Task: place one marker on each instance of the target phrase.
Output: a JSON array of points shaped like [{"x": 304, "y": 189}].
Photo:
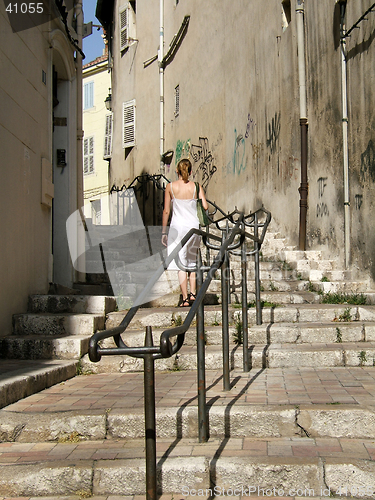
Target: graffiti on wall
[
  {"x": 238, "y": 162},
  {"x": 368, "y": 162},
  {"x": 273, "y": 133},
  {"x": 202, "y": 161},
  {"x": 322, "y": 207},
  {"x": 358, "y": 201},
  {"x": 201, "y": 158},
  {"x": 182, "y": 150},
  {"x": 250, "y": 126}
]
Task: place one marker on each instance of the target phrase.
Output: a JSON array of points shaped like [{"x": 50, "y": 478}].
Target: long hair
[{"x": 184, "y": 169}]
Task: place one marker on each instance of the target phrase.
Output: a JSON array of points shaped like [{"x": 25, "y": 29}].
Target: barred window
[{"x": 177, "y": 100}]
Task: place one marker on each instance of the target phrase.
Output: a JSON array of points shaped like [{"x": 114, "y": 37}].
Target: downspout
[
  {"x": 345, "y": 135},
  {"x": 303, "y": 189},
  {"x": 79, "y": 173},
  {"x": 161, "y": 83}
]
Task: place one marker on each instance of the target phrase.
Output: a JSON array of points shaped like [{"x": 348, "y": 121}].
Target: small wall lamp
[{"x": 108, "y": 101}]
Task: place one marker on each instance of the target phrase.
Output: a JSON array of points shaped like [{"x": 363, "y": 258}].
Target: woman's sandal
[
  {"x": 185, "y": 302},
  {"x": 192, "y": 297}
]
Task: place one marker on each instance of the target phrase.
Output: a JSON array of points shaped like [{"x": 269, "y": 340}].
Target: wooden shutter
[
  {"x": 108, "y": 136},
  {"x": 88, "y": 91},
  {"x": 128, "y": 124},
  {"x": 124, "y": 28},
  {"x": 88, "y": 155}
]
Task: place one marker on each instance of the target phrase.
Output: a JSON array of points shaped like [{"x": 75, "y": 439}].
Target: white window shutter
[
  {"x": 128, "y": 124},
  {"x": 124, "y": 28},
  {"x": 108, "y": 136},
  {"x": 88, "y": 95},
  {"x": 88, "y": 155}
]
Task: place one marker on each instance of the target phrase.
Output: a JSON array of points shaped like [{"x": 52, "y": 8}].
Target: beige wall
[
  {"x": 239, "y": 112},
  {"x": 26, "y": 143},
  {"x": 94, "y": 120}
]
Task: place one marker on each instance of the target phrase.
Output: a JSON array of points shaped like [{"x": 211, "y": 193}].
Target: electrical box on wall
[{"x": 61, "y": 158}]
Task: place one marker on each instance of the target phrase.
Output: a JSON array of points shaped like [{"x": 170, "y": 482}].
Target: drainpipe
[
  {"x": 303, "y": 189},
  {"x": 345, "y": 135},
  {"x": 79, "y": 173},
  {"x": 161, "y": 83}
]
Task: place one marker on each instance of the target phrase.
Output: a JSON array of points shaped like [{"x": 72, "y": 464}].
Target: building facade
[
  {"x": 97, "y": 141},
  {"x": 270, "y": 100},
  {"x": 41, "y": 151}
]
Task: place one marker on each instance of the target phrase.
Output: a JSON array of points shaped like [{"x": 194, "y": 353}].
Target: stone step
[
  {"x": 325, "y": 355},
  {"x": 286, "y": 333},
  {"x": 19, "y": 380},
  {"x": 166, "y": 316},
  {"x": 255, "y": 421},
  {"x": 91, "y": 289},
  {"x": 303, "y": 467},
  {"x": 57, "y": 324},
  {"x": 348, "y": 287},
  {"x": 316, "y": 333},
  {"x": 44, "y": 347},
  {"x": 79, "y": 304}
]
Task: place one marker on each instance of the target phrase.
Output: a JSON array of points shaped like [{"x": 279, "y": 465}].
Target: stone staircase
[{"x": 268, "y": 432}]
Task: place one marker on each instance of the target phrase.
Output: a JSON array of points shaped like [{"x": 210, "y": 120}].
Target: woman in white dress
[{"x": 182, "y": 196}]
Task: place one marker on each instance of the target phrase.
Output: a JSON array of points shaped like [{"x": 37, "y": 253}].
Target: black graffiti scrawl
[
  {"x": 368, "y": 162},
  {"x": 273, "y": 133},
  {"x": 203, "y": 161}
]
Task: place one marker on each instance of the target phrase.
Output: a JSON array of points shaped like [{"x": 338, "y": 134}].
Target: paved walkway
[
  {"x": 258, "y": 387},
  {"x": 304, "y": 386}
]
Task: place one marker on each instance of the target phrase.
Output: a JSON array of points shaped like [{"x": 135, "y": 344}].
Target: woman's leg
[
  {"x": 193, "y": 283},
  {"x": 182, "y": 278}
]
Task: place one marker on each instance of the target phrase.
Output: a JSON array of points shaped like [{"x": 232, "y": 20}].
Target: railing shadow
[{"x": 227, "y": 434}]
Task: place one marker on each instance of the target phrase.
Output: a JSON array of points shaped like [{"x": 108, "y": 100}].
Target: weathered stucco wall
[
  {"x": 26, "y": 137},
  {"x": 237, "y": 73}
]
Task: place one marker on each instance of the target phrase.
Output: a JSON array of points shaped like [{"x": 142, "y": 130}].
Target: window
[
  {"x": 96, "y": 211},
  {"x": 88, "y": 155},
  {"x": 128, "y": 124},
  {"x": 88, "y": 95},
  {"x": 177, "y": 100},
  {"x": 127, "y": 25},
  {"x": 108, "y": 136},
  {"x": 286, "y": 14}
]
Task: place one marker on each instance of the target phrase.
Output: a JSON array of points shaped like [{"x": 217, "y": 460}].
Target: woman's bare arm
[
  {"x": 203, "y": 197},
  {"x": 166, "y": 212}
]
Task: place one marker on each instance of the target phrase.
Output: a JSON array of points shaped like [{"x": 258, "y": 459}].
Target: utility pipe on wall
[
  {"x": 345, "y": 135},
  {"x": 303, "y": 189},
  {"x": 161, "y": 82},
  {"x": 79, "y": 171}
]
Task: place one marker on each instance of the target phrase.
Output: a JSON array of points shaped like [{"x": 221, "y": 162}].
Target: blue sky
[{"x": 93, "y": 45}]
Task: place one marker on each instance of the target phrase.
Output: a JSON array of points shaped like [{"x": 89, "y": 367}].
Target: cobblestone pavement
[
  {"x": 258, "y": 387},
  {"x": 303, "y": 386}
]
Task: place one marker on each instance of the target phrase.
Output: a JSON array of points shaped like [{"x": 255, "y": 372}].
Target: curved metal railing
[{"x": 227, "y": 243}]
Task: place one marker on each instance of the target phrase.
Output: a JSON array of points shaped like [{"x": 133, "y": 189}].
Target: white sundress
[{"x": 184, "y": 218}]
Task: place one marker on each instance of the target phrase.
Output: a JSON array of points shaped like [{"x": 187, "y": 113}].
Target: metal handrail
[
  {"x": 95, "y": 351},
  {"x": 166, "y": 348}
]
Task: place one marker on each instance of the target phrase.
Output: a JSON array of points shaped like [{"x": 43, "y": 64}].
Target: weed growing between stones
[
  {"x": 177, "y": 320},
  {"x": 345, "y": 316},
  {"x": 74, "y": 437},
  {"x": 338, "y": 335},
  {"x": 362, "y": 356},
  {"x": 356, "y": 299},
  {"x": 238, "y": 334}
]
